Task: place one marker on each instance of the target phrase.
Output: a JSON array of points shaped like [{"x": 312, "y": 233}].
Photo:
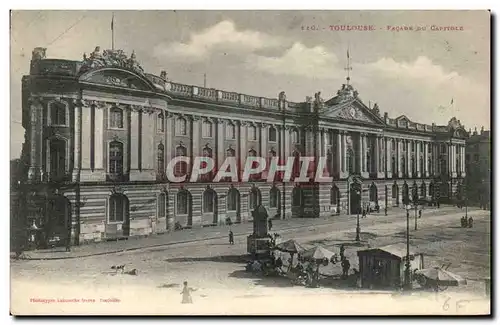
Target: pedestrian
[
  {"x": 68, "y": 245},
  {"x": 186, "y": 294},
  {"x": 364, "y": 213},
  {"x": 420, "y": 213},
  {"x": 270, "y": 224},
  {"x": 342, "y": 251},
  {"x": 231, "y": 237},
  {"x": 471, "y": 221},
  {"x": 345, "y": 268}
]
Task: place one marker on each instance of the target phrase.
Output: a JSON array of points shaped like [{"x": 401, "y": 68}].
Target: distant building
[
  {"x": 100, "y": 133},
  {"x": 478, "y": 166}
]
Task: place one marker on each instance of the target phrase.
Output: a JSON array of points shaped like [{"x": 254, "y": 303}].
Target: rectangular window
[{"x": 207, "y": 129}]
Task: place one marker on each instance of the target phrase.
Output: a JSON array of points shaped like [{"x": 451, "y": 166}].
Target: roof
[{"x": 398, "y": 250}]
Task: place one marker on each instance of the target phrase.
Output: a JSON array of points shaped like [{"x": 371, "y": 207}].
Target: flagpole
[{"x": 113, "y": 31}]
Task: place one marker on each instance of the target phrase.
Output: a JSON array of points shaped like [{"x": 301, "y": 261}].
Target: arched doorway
[
  {"x": 183, "y": 209},
  {"x": 406, "y": 194},
  {"x": 423, "y": 190},
  {"x": 118, "y": 213},
  {"x": 355, "y": 198},
  {"x": 254, "y": 199},
  {"x": 374, "y": 194},
  {"x": 209, "y": 207},
  {"x": 233, "y": 204},
  {"x": 414, "y": 193},
  {"x": 57, "y": 159},
  {"x": 162, "y": 208},
  {"x": 395, "y": 194},
  {"x": 59, "y": 219},
  {"x": 275, "y": 199}
]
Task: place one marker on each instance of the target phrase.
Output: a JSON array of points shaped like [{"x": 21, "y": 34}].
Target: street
[{"x": 216, "y": 270}]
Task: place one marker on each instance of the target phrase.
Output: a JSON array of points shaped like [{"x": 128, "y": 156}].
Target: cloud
[
  {"x": 299, "y": 60},
  {"x": 223, "y": 34}
]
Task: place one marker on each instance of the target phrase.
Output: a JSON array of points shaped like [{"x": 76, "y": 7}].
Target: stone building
[
  {"x": 100, "y": 133},
  {"x": 478, "y": 166}
]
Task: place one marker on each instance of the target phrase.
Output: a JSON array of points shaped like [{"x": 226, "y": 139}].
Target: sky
[{"x": 261, "y": 53}]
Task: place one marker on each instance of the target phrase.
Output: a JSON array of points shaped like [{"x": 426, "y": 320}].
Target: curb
[{"x": 156, "y": 245}]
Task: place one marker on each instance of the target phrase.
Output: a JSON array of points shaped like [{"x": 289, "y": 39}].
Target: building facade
[
  {"x": 101, "y": 132},
  {"x": 478, "y": 166}
]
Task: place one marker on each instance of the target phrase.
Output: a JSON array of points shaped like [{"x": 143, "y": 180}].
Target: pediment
[
  {"x": 118, "y": 77},
  {"x": 354, "y": 111}
]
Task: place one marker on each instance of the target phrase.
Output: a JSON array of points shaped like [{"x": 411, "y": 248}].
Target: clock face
[{"x": 353, "y": 112}]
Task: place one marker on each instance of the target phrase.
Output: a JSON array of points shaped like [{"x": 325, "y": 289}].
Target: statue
[
  {"x": 38, "y": 53},
  {"x": 475, "y": 130},
  {"x": 163, "y": 74},
  {"x": 84, "y": 56},
  {"x": 96, "y": 54},
  {"x": 376, "y": 110},
  {"x": 318, "y": 100},
  {"x": 308, "y": 99},
  {"x": 482, "y": 129},
  {"x": 282, "y": 96}
]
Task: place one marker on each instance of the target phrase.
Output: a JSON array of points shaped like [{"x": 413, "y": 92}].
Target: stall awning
[{"x": 397, "y": 250}]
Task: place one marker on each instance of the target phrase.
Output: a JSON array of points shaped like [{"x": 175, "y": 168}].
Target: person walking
[
  {"x": 342, "y": 251},
  {"x": 420, "y": 213},
  {"x": 346, "y": 265},
  {"x": 269, "y": 224},
  {"x": 186, "y": 294},
  {"x": 231, "y": 237}
]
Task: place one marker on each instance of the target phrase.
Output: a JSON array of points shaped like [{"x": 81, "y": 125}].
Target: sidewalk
[{"x": 208, "y": 233}]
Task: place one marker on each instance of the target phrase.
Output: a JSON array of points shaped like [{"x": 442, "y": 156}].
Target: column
[
  {"x": 388, "y": 158},
  {"x": 338, "y": 155},
  {"x": 287, "y": 143},
  {"x": 377, "y": 154},
  {"x": 463, "y": 161},
  {"x": 408, "y": 158},
  {"x": 195, "y": 136},
  {"x": 147, "y": 159},
  {"x": 344, "y": 152},
  {"x": 219, "y": 124},
  {"x": 98, "y": 144},
  {"x": 324, "y": 137},
  {"x": 34, "y": 150},
  {"x": 78, "y": 138},
  {"x": 425, "y": 172},
  {"x": 169, "y": 135},
  {"x": 399, "y": 143},
  {"x": 243, "y": 145},
  {"x": 264, "y": 129},
  {"x": 365, "y": 149},
  {"x": 135, "y": 147},
  {"x": 360, "y": 154},
  {"x": 419, "y": 172}
]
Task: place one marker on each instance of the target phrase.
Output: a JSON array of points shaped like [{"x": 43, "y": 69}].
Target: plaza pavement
[{"x": 217, "y": 232}]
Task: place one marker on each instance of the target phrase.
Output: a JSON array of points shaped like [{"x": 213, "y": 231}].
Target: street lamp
[
  {"x": 358, "y": 230},
  {"x": 385, "y": 210},
  {"x": 408, "y": 266}
]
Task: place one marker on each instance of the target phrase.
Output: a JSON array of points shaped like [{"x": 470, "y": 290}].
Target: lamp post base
[{"x": 357, "y": 234}]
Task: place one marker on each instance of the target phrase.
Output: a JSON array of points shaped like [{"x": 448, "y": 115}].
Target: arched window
[
  {"x": 252, "y": 133},
  {"x": 272, "y": 134},
  {"x": 230, "y": 131},
  {"x": 160, "y": 122},
  {"x": 295, "y": 136},
  {"x": 394, "y": 166},
  {"x": 207, "y": 177},
  {"x": 254, "y": 199},
  {"x": 406, "y": 194},
  {"x": 207, "y": 129},
  {"x": 422, "y": 165},
  {"x": 57, "y": 159},
  {"x": 162, "y": 205},
  {"x": 431, "y": 189},
  {"x": 183, "y": 202},
  {"x": 118, "y": 208},
  {"x": 274, "y": 197},
  {"x": 395, "y": 191},
  {"x": 423, "y": 190},
  {"x": 297, "y": 197},
  {"x": 116, "y": 158},
  {"x": 296, "y": 164},
  {"x": 180, "y": 126},
  {"x": 413, "y": 166},
  {"x": 414, "y": 192},
  {"x": 161, "y": 159},
  {"x": 271, "y": 155},
  {"x": 334, "y": 195},
  {"x": 349, "y": 160},
  {"x": 253, "y": 153},
  {"x": 208, "y": 201},
  {"x": 230, "y": 152},
  {"x": 403, "y": 166},
  {"x": 180, "y": 168},
  {"x": 116, "y": 118},
  {"x": 233, "y": 199},
  {"x": 58, "y": 114},
  {"x": 373, "y": 193}
]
